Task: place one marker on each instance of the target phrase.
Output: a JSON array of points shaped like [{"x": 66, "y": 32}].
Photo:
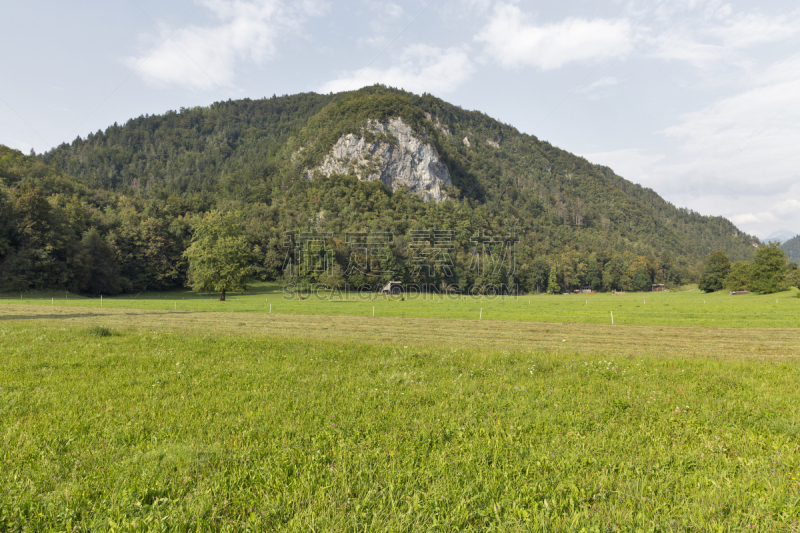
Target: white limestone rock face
[
  {"x": 397, "y": 157},
  {"x": 439, "y": 126}
]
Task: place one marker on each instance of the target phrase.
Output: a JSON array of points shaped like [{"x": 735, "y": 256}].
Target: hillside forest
[{"x": 116, "y": 211}]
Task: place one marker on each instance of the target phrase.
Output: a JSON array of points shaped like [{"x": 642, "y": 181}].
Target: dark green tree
[
  {"x": 219, "y": 257},
  {"x": 6, "y": 224},
  {"x": 552, "y": 283},
  {"x": 44, "y": 243},
  {"x": 716, "y": 269},
  {"x": 793, "y": 275},
  {"x": 96, "y": 267},
  {"x": 33, "y": 217},
  {"x": 162, "y": 253},
  {"x": 539, "y": 275},
  {"x": 641, "y": 281},
  {"x": 769, "y": 269},
  {"x": 613, "y": 274},
  {"x": 594, "y": 277},
  {"x": 740, "y": 276}
]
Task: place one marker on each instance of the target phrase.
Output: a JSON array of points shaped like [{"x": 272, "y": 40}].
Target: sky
[{"x": 696, "y": 99}]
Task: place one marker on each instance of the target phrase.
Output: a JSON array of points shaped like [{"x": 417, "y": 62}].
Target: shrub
[{"x": 99, "y": 331}]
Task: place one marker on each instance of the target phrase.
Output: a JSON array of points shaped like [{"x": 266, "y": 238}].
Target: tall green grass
[
  {"x": 685, "y": 308},
  {"x": 143, "y": 431}
]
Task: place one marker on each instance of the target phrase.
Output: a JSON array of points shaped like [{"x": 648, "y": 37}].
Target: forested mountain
[
  {"x": 130, "y": 194},
  {"x": 190, "y": 151},
  {"x": 792, "y": 248}
]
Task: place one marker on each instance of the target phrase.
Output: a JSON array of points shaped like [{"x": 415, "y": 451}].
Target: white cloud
[
  {"x": 749, "y": 29},
  {"x": 735, "y": 155},
  {"x": 785, "y": 70},
  {"x": 633, "y": 165},
  {"x": 383, "y": 23},
  {"x": 721, "y": 37},
  {"x": 514, "y": 42},
  {"x": 480, "y": 6},
  {"x": 752, "y": 218},
  {"x": 203, "y": 57},
  {"x": 698, "y": 10},
  {"x": 755, "y": 212},
  {"x": 790, "y": 206},
  {"x": 682, "y": 45},
  {"x": 391, "y": 9},
  {"x": 604, "y": 82},
  {"x": 747, "y": 140},
  {"x": 598, "y": 89},
  {"x": 420, "y": 68}
]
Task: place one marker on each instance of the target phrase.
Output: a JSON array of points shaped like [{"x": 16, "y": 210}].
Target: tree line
[
  {"x": 57, "y": 233},
  {"x": 116, "y": 212},
  {"x": 767, "y": 273}
]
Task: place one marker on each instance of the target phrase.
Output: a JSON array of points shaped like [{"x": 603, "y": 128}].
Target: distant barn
[
  {"x": 393, "y": 288},
  {"x": 658, "y": 287}
]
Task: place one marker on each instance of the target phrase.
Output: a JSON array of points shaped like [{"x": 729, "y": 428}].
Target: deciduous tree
[
  {"x": 716, "y": 269},
  {"x": 219, "y": 257},
  {"x": 641, "y": 281},
  {"x": 96, "y": 266},
  {"x": 552, "y": 283},
  {"x": 793, "y": 276},
  {"x": 769, "y": 269},
  {"x": 740, "y": 276}
]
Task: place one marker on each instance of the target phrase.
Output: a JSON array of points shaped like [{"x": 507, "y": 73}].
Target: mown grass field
[
  {"x": 134, "y": 419},
  {"x": 684, "y": 308}
]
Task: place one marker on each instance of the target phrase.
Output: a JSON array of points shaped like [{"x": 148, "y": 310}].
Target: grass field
[
  {"x": 136, "y": 417},
  {"x": 685, "y": 308}
]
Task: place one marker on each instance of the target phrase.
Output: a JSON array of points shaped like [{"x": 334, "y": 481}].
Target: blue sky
[{"x": 697, "y": 99}]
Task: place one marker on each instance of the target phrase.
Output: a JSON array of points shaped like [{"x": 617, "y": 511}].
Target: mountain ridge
[{"x": 589, "y": 224}]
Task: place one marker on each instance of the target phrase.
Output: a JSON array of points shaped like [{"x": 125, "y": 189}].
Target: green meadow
[
  {"x": 138, "y": 417},
  {"x": 682, "y": 308}
]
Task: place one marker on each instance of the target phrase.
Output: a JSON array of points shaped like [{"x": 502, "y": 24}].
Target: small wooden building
[
  {"x": 658, "y": 287},
  {"x": 393, "y": 288}
]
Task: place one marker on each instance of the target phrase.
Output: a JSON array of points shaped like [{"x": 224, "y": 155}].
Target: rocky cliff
[{"x": 392, "y": 153}]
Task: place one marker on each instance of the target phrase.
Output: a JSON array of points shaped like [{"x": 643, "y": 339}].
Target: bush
[{"x": 99, "y": 331}]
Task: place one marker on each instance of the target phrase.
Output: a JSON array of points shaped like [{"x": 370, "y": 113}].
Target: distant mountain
[
  {"x": 782, "y": 235},
  {"x": 376, "y": 159}
]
